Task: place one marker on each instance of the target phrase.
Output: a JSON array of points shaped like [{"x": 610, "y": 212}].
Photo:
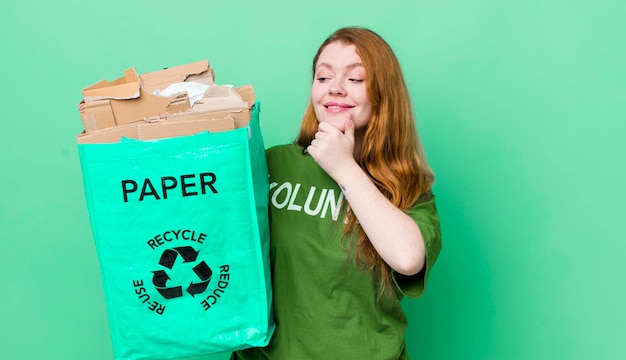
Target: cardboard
[
  {"x": 179, "y": 124},
  {"x": 159, "y": 130},
  {"x": 130, "y": 98},
  {"x": 126, "y": 87}
]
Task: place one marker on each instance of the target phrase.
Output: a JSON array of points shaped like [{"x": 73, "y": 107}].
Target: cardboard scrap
[{"x": 131, "y": 107}]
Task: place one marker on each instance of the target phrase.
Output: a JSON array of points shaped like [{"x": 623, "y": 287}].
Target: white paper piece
[{"x": 194, "y": 90}]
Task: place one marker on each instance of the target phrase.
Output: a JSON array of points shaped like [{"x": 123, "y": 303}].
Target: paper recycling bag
[{"x": 181, "y": 231}]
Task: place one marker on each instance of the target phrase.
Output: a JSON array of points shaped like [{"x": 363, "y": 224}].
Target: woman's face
[{"x": 339, "y": 87}]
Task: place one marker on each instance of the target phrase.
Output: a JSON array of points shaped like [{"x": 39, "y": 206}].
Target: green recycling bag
[{"x": 181, "y": 231}]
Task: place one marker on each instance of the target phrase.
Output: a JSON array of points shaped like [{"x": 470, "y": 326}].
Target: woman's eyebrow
[{"x": 330, "y": 67}]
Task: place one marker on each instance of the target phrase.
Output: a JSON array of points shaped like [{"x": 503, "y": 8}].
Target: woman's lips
[{"x": 337, "y": 107}]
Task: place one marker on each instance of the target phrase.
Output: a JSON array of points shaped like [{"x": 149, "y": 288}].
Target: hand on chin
[{"x": 337, "y": 120}]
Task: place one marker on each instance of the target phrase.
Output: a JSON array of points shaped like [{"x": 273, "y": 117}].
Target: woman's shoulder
[
  {"x": 284, "y": 150},
  {"x": 291, "y": 158}
]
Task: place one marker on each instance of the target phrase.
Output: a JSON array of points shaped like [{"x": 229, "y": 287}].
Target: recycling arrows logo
[{"x": 168, "y": 260}]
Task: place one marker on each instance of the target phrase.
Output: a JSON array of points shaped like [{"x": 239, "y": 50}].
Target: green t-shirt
[{"x": 324, "y": 306}]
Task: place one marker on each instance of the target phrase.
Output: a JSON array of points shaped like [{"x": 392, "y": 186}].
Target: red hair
[{"x": 391, "y": 153}]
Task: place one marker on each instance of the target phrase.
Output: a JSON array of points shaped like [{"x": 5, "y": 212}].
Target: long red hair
[{"x": 391, "y": 153}]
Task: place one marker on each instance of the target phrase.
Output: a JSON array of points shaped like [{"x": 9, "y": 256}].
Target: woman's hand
[{"x": 332, "y": 149}]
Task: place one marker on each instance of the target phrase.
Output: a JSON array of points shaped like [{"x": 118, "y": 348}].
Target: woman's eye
[
  {"x": 355, "y": 80},
  {"x": 321, "y": 78}
]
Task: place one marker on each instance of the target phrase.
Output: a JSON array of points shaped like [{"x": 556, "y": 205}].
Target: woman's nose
[
  {"x": 336, "y": 91},
  {"x": 336, "y": 88}
]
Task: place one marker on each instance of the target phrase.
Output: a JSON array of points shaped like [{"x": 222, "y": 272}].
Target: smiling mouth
[{"x": 335, "y": 106}]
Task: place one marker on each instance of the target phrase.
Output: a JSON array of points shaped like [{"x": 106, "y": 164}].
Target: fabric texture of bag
[{"x": 181, "y": 231}]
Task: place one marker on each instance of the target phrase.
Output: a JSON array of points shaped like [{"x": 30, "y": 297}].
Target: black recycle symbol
[{"x": 168, "y": 259}]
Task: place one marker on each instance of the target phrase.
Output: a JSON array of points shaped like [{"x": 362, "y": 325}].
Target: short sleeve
[{"x": 425, "y": 214}]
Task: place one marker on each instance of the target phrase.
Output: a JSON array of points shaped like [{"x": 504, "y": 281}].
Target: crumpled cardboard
[
  {"x": 132, "y": 107},
  {"x": 131, "y": 98}
]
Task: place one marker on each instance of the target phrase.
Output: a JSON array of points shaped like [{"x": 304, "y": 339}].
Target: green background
[{"x": 521, "y": 107}]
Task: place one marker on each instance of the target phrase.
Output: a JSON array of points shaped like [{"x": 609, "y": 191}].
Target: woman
[{"x": 354, "y": 226}]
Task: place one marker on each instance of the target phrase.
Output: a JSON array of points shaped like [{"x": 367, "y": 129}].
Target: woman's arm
[{"x": 394, "y": 234}]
